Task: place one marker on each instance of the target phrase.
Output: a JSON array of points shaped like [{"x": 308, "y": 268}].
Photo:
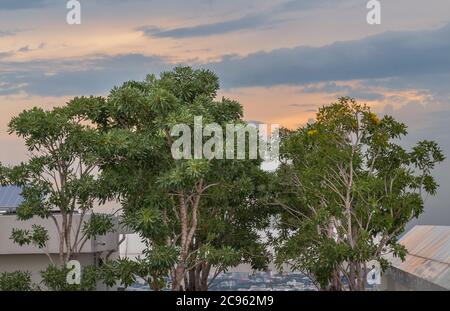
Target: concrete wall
[
  {"x": 14, "y": 257},
  {"x": 397, "y": 280},
  {"x": 8, "y": 247}
]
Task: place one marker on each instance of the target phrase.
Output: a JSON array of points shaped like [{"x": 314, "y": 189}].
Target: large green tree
[
  {"x": 59, "y": 181},
  {"x": 173, "y": 203},
  {"x": 346, "y": 189}
]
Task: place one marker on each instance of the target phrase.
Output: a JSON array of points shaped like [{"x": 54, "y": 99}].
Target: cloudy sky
[{"x": 281, "y": 59}]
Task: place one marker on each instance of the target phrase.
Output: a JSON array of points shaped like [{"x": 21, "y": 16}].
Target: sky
[{"x": 281, "y": 59}]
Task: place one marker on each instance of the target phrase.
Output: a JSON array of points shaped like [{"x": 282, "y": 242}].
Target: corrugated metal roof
[
  {"x": 10, "y": 197},
  {"x": 428, "y": 254}
]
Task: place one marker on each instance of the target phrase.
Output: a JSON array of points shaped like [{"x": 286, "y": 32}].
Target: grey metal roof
[
  {"x": 10, "y": 198},
  {"x": 428, "y": 254}
]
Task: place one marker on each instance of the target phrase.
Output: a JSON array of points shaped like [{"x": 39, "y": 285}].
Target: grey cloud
[
  {"x": 303, "y": 5},
  {"x": 364, "y": 95},
  {"x": 94, "y": 75},
  {"x": 247, "y": 22},
  {"x": 24, "y": 49},
  {"x": 5, "y": 54},
  {"x": 262, "y": 19},
  {"x": 389, "y": 59},
  {"x": 329, "y": 87},
  {"x": 10, "y": 32},
  {"x": 27, "y": 48},
  {"x": 23, "y": 4},
  {"x": 391, "y": 54},
  {"x": 358, "y": 91},
  {"x": 6, "y": 33},
  {"x": 436, "y": 84}
]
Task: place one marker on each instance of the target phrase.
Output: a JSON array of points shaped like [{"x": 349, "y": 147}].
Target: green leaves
[
  {"x": 54, "y": 278},
  {"x": 16, "y": 281},
  {"x": 157, "y": 261},
  {"x": 153, "y": 267},
  {"x": 95, "y": 149},
  {"x": 146, "y": 220},
  {"x": 37, "y": 236},
  {"x": 346, "y": 189},
  {"x": 425, "y": 155},
  {"x": 138, "y": 168},
  {"x": 127, "y": 104},
  {"x": 225, "y": 256},
  {"x": 62, "y": 174},
  {"x": 98, "y": 224},
  {"x": 184, "y": 174},
  {"x": 187, "y": 84},
  {"x": 121, "y": 270},
  {"x": 162, "y": 101}
]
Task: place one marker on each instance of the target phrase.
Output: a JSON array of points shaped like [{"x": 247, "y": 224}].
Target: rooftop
[
  {"x": 10, "y": 198},
  {"x": 428, "y": 254}
]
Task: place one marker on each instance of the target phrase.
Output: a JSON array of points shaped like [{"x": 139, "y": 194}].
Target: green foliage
[
  {"x": 138, "y": 169},
  {"x": 119, "y": 148},
  {"x": 98, "y": 224},
  {"x": 54, "y": 278},
  {"x": 157, "y": 261},
  {"x": 347, "y": 189},
  {"x": 16, "y": 281},
  {"x": 123, "y": 270},
  {"x": 61, "y": 174},
  {"x": 153, "y": 267},
  {"x": 38, "y": 236},
  {"x": 235, "y": 215},
  {"x": 226, "y": 256}
]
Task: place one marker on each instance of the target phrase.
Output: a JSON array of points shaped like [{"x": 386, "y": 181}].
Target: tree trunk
[
  {"x": 188, "y": 229},
  {"x": 178, "y": 277},
  {"x": 198, "y": 277}
]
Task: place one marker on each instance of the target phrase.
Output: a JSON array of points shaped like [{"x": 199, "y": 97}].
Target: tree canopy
[
  {"x": 181, "y": 208},
  {"x": 347, "y": 189},
  {"x": 343, "y": 192},
  {"x": 61, "y": 176}
]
